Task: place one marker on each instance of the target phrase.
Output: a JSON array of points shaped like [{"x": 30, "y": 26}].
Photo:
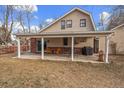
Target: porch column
[
  {"x": 42, "y": 47},
  {"x": 18, "y": 45},
  {"x": 72, "y": 49},
  {"x": 106, "y": 48},
  {"x": 29, "y": 44}
]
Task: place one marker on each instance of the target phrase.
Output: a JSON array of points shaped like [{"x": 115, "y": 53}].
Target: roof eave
[
  {"x": 117, "y": 27},
  {"x": 66, "y": 34}
]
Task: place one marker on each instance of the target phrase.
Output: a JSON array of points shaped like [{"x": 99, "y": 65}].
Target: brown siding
[{"x": 33, "y": 45}]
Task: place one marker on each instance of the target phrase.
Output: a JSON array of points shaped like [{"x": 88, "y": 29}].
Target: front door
[
  {"x": 96, "y": 45},
  {"x": 38, "y": 46}
]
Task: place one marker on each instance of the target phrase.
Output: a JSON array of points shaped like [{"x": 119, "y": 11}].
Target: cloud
[
  {"x": 104, "y": 20},
  {"x": 30, "y": 8},
  {"x": 49, "y": 20},
  {"x": 34, "y": 28},
  {"x": 104, "y": 16},
  {"x": 36, "y": 17},
  {"x": 17, "y": 27}
]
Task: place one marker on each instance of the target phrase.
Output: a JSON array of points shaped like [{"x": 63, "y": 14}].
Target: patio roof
[
  {"x": 66, "y": 34},
  {"x": 71, "y": 34}
]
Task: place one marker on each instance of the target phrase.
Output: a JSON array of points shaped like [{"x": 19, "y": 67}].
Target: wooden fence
[{"x": 12, "y": 49}]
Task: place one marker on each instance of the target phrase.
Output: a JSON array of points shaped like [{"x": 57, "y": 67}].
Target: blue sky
[{"x": 54, "y": 11}]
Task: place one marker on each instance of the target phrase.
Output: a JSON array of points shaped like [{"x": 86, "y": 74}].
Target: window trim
[
  {"x": 63, "y": 26},
  {"x": 82, "y": 24},
  {"x": 68, "y": 25}
]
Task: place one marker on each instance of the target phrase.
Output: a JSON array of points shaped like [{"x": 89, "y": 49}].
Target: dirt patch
[{"x": 37, "y": 73}]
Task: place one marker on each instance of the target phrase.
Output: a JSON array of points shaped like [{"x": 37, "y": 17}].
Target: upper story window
[
  {"x": 82, "y": 22},
  {"x": 62, "y": 24},
  {"x": 69, "y": 23}
]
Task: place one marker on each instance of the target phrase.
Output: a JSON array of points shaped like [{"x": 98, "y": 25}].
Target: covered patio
[
  {"x": 69, "y": 34},
  {"x": 66, "y": 57}
]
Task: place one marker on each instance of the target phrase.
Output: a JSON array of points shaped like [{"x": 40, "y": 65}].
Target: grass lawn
[{"x": 37, "y": 73}]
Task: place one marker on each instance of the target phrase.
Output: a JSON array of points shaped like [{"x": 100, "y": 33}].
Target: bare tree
[
  {"x": 117, "y": 16},
  {"x": 10, "y": 15},
  {"x": 104, "y": 17},
  {"x": 7, "y": 14},
  {"x": 20, "y": 19},
  {"x": 25, "y": 16},
  {"x": 29, "y": 17}
]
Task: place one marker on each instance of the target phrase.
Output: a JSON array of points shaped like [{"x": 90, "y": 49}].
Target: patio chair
[
  {"x": 58, "y": 51},
  {"x": 48, "y": 50}
]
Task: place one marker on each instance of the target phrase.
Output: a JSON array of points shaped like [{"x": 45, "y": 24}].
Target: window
[
  {"x": 82, "y": 22},
  {"x": 69, "y": 23},
  {"x": 63, "y": 24},
  {"x": 65, "y": 41}
]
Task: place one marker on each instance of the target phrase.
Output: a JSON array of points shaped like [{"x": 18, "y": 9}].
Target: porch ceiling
[{"x": 66, "y": 34}]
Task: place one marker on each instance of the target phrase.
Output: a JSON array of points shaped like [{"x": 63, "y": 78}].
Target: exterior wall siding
[
  {"x": 75, "y": 17},
  {"x": 102, "y": 44},
  {"x": 116, "y": 45},
  {"x": 89, "y": 42},
  {"x": 55, "y": 43},
  {"x": 81, "y": 42},
  {"x": 117, "y": 40}
]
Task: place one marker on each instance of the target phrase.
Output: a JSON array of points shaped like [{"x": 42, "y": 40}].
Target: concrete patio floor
[{"x": 62, "y": 57}]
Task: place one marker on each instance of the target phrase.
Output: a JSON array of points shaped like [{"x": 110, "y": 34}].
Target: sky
[
  {"x": 49, "y": 12},
  {"x": 46, "y": 13}
]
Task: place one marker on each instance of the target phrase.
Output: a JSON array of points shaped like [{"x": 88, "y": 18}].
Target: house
[
  {"x": 67, "y": 35},
  {"x": 116, "y": 45}
]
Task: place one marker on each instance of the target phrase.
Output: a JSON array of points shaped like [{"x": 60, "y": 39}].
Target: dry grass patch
[{"x": 37, "y": 73}]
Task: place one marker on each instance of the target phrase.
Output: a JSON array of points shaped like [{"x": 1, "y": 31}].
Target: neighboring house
[
  {"x": 67, "y": 35},
  {"x": 116, "y": 45}
]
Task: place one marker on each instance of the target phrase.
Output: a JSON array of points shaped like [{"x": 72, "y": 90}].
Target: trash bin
[
  {"x": 90, "y": 50},
  {"x": 87, "y": 51}
]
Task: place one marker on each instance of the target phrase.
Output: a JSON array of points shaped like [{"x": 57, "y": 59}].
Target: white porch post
[
  {"x": 42, "y": 47},
  {"x": 18, "y": 45},
  {"x": 29, "y": 44},
  {"x": 72, "y": 49},
  {"x": 106, "y": 48}
]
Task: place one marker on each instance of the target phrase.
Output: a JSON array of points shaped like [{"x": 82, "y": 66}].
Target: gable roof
[
  {"x": 117, "y": 27},
  {"x": 83, "y": 11}
]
